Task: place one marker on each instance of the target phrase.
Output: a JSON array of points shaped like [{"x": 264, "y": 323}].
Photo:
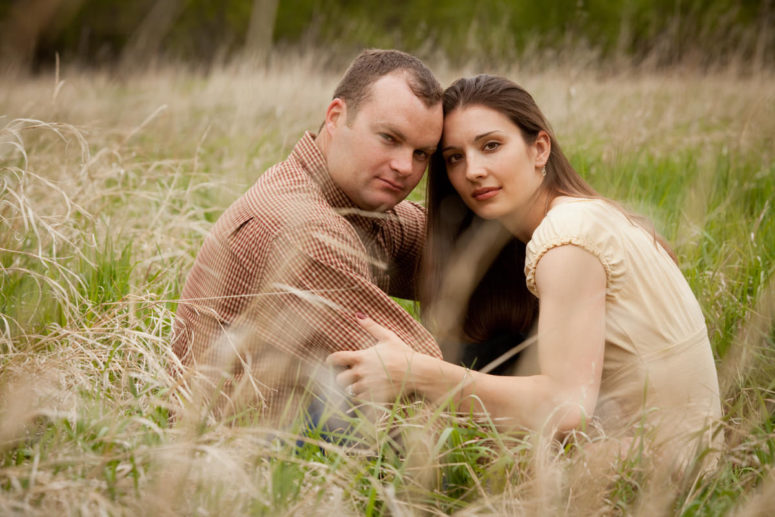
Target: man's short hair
[{"x": 372, "y": 64}]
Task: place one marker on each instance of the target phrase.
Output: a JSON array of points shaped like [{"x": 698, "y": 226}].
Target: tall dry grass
[{"x": 108, "y": 184}]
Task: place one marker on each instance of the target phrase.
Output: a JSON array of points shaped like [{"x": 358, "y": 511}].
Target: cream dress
[{"x": 658, "y": 366}]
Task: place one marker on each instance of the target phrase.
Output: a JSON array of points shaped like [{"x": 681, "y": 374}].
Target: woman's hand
[{"x": 379, "y": 373}]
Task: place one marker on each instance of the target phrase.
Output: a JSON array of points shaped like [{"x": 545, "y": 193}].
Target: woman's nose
[{"x": 475, "y": 169}]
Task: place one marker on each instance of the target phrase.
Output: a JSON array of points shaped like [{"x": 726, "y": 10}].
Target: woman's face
[{"x": 493, "y": 169}]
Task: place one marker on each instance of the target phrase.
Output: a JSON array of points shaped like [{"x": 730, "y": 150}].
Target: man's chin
[{"x": 382, "y": 204}]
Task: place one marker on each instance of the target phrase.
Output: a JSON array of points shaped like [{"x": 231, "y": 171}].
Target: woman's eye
[
  {"x": 491, "y": 146},
  {"x": 453, "y": 158}
]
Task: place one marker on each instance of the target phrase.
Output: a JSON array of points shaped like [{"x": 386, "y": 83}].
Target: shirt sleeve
[
  {"x": 579, "y": 224},
  {"x": 405, "y": 239},
  {"x": 318, "y": 277}
]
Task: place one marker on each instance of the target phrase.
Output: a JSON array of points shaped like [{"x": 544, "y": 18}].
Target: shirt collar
[{"x": 313, "y": 162}]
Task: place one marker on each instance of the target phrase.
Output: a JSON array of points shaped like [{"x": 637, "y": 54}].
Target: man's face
[{"x": 379, "y": 154}]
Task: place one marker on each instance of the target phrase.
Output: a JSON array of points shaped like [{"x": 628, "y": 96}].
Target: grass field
[{"x": 108, "y": 185}]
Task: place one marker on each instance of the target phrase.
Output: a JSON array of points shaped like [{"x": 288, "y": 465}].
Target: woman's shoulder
[
  {"x": 572, "y": 208},
  {"x": 588, "y": 223},
  {"x": 589, "y": 218}
]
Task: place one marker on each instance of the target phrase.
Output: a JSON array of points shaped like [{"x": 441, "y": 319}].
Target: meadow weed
[{"x": 109, "y": 183}]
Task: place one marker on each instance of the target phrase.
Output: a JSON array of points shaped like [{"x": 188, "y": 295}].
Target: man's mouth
[
  {"x": 392, "y": 185},
  {"x": 484, "y": 193}
]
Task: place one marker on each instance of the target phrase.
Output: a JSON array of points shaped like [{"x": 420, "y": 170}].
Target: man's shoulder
[
  {"x": 406, "y": 215},
  {"x": 408, "y": 209},
  {"x": 284, "y": 199}
]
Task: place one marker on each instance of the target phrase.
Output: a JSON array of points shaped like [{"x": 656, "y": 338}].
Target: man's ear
[
  {"x": 336, "y": 115},
  {"x": 542, "y": 147}
]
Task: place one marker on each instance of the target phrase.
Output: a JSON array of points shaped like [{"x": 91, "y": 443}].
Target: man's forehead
[
  {"x": 393, "y": 87},
  {"x": 394, "y": 92},
  {"x": 394, "y": 81},
  {"x": 426, "y": 138},
  {"x": 392, "y": 106}
]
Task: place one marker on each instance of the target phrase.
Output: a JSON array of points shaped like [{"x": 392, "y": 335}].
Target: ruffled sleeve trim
[{"x": 582, "y": 224}]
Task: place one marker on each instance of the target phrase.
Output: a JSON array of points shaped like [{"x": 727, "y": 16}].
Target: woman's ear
[{"x": 542, "y": 147}]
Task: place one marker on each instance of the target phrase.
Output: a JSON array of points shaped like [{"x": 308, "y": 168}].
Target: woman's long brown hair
[{"x": 496, "y": 300}]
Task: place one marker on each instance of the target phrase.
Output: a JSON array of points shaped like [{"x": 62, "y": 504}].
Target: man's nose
[{"x": 403, "y": 163}]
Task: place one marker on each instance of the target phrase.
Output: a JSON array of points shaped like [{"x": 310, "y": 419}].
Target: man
[{"x": 319, "y": 237}]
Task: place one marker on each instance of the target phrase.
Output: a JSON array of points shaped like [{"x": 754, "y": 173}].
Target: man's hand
[{"x": 379, "y": 373}]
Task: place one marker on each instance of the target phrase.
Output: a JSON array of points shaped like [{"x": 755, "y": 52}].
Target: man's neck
[{"x": 321, "y": 140}]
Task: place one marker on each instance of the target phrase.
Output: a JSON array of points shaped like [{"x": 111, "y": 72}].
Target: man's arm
[
  {"x": 405, "y": 240},
  {"x": 318, "y": 278},
  {"x": 265, "y": 309}
]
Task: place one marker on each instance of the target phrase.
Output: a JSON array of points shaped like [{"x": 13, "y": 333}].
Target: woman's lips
[{"x": 482, "y": 194}]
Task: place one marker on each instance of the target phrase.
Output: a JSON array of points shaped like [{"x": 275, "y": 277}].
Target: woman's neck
[{"x": 522, "y": 223}]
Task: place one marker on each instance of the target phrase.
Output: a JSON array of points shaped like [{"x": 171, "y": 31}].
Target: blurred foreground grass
[{"x": 108, "y": 186}]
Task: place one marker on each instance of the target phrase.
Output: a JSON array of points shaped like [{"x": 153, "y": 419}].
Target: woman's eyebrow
[
  {"x": 476, "y": 139},
  {"x": 484, "y": 135}
]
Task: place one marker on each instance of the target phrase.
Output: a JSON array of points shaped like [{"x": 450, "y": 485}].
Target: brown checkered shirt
[{"x": 280, "y": 276}]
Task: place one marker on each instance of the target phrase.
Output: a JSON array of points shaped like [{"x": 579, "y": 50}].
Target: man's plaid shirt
[{"x": 280, "y": 276}]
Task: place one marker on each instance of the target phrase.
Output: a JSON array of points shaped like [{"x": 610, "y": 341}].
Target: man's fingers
[{"x": 377, "y": 330}]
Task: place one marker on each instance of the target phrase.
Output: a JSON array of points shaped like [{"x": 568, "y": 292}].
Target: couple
[{"x": 305, "y": 262}]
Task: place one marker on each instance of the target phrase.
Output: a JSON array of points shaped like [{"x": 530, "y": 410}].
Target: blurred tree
[
  {"x": 662, "y": 32},
  {"x": 258, "y": 42},
  {"x": 25, "y": 22},
  {"x": 210, "y": 30},
  {"x": 145, "y": 43}
]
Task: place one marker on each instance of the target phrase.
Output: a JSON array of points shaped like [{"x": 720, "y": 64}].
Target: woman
[{"x": 620, "y": 334}]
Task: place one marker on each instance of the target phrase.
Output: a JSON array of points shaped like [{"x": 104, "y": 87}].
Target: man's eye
[
  {"x": 388, "y": 138},
  {"x": 421, "y": 155}
]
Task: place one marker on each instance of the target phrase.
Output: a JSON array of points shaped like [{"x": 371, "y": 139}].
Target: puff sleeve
[{"x": 589, "y": 224}]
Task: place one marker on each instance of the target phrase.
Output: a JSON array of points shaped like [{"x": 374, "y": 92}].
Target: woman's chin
[
  {"x": 487, "y": 215},
  {"x": 484, "y": 211}
]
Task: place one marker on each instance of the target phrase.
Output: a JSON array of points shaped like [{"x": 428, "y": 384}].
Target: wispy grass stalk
[{"x": 107, "y": 188}]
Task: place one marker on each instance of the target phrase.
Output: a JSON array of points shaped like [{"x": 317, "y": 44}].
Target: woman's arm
[{"x": 571, "y": 325}]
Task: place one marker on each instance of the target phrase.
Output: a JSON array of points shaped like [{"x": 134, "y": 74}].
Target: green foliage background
[{"x": 669, "y": 31}]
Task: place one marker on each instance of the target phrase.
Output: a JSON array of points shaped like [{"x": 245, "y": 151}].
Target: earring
[{"x": 543, "y": 171}]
